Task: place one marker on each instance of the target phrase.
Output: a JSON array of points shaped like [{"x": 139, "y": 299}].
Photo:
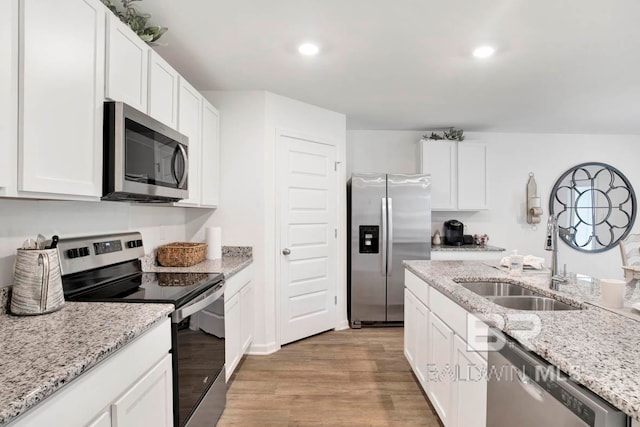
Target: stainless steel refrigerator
[{"x": 390, "y": 221}]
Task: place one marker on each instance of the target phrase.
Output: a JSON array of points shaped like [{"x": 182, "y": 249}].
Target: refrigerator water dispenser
[{"x": 369, "y": 239}]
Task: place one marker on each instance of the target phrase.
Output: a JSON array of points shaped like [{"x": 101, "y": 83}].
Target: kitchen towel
[{"x": 213, "y": 238}]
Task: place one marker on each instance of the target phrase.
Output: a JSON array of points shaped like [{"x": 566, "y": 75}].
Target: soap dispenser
[{"x": 516, "y": 264}]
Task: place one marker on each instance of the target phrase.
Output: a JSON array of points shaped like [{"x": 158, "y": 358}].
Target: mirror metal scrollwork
[{"x": 595, "y": 205}]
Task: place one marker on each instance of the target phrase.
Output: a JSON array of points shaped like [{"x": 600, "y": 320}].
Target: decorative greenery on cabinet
[{"x": 136, "y": 21}]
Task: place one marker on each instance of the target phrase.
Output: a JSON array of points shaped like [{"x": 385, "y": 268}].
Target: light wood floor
[{"x": 345, "y": 378}]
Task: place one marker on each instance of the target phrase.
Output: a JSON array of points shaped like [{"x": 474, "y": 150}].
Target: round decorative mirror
[{"x": 595, "y": 205}]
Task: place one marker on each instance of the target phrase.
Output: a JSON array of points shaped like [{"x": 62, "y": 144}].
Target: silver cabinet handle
[{"x": 286, "y": 251}]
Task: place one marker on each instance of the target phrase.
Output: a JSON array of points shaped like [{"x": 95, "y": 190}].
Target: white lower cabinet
[
  {"x": 133, "y": 387},
  {"x": 469, "y": 402},
  {"x": 102, "y": 420},
  {"x": 232, "y": 334},
  {"x": 440, "y": 356},
  {"x": 238, "y": 318},
  {"x": 148, "y": 401},
  {"x": 451, "y": 374}
]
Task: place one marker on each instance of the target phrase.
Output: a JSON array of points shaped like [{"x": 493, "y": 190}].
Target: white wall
[
  {"x": 247, "y": 188},
  {"x": 511, "y": 157},
  {"x": 389, "y": 151},
  {"x": 21, "y": 219}
]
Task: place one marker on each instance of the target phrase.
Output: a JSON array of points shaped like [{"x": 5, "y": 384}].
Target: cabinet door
[
  {"x": 246, "y": 310},
  {"x": 102, "y": 420},
  {"x": 127, "y": 65},
  {"x": 422, "y": 344},
  {"x": 62, "y": 95},
  {"x": 149, "y": 402},
  {"x": 210, "y": 155},
  {"x": 440, "y": 375},
  {"x": 470, "y": 390},
  {"x": 163, "y": 91},
  {"x": 190, "y": 124},
  {"x": 472, "y": 176},
  {"x": 8, "y": 96},
  {"x": 410, "y": 328},
  {"x": 439, "y": 160},
  {"x": 232, "y": 322}
]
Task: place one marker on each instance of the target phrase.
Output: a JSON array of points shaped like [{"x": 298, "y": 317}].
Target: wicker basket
[{"x": 181, "y": 254}]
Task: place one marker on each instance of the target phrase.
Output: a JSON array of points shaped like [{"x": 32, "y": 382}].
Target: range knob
[
  {"x": 84, "y": 251},
  {"x": 138, "y": 243},
  {"x": 131, "y": 244},
  {"x": 73, "y": 253}
]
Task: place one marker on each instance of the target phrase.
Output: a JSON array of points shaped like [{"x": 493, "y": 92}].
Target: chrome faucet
[{"x": 551, "y": 244}]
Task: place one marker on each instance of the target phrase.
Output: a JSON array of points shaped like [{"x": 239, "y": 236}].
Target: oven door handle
[{"x": 197, "y": 304}]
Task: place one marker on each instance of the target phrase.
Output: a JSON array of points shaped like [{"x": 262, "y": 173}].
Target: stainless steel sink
[
  {"x": 491, "y": 289},
  {"x": 510, "y": 295},
  {"x": 533, "y": 303}
]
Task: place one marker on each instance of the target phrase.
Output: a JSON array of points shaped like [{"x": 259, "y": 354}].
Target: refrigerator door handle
[
  {"x": 389, "y": 235},
  {"x": 383, "y": 237}
]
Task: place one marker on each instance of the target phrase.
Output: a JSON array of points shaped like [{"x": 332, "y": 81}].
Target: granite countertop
[
  {"x": 234, "y": 259},
  {"x": 40, "y": 354},
  {"x": 471, "y": 247},
  {"x": 596, "y": 347}
]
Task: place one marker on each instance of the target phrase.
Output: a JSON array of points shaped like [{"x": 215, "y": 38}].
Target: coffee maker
[{"x": 453, "y": 232}]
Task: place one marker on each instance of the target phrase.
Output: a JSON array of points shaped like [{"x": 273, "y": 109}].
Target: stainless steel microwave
[{"x": 143, "y": 159}]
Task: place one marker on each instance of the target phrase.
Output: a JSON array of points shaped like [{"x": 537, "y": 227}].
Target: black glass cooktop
[{"x": 125, "y": 283}]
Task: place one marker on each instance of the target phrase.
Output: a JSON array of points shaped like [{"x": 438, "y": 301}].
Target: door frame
[{"x": 341, "y": 283}]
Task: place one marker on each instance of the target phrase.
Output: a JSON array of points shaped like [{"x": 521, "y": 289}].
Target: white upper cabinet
[
  {"x": 163, "y": 91},
  {"x": 439, "y": 158},
  {"x": 127, "y": 65},
  {"x": 190, "y": 124},
  {"x": 62, "y": 95},
  {"x": 210, "y": 165},
  {"x": 472, "y": 176},
  {"x": 8, "y": 95},
  {"x": 458, "y": 174}
]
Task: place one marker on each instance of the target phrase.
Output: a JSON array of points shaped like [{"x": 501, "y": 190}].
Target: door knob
[{"x": 286, "y": 251}]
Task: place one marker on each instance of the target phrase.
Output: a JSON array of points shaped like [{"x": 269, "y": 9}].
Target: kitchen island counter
[
  {"x": 41, "y": 354},
  {"x": 596, "y": 347}
]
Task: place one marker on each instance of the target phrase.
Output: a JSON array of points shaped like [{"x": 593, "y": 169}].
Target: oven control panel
[
  {"x": 107, "y": 247},
  {"x": 86, "y": 253}
]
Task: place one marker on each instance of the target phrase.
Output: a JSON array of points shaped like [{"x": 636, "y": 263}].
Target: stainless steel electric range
[{"x": 107, "y": 268}]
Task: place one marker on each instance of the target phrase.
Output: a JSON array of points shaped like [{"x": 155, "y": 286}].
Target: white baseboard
[{"x": 263, "y": 349}]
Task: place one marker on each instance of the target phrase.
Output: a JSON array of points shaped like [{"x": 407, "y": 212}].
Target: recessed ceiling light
[
  {"x": 308, "y": 49},
  {"x": 483, "y": 52}
]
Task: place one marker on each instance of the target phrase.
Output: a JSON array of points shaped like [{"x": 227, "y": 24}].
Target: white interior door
[{"x": 307, "y": 189}]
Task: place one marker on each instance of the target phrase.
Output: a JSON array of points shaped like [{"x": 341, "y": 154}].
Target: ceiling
[{"x": 562, "y": 66}]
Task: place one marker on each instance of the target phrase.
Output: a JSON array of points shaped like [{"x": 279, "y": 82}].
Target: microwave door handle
[{"x": 183, "y": 180}]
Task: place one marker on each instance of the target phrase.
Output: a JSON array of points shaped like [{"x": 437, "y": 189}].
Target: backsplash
[
  {"x": 22, "y": 219},
  {"x": 237, "y": 251}
]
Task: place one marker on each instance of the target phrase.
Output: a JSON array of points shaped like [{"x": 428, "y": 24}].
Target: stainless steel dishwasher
[{"x": 526, "y": 391}]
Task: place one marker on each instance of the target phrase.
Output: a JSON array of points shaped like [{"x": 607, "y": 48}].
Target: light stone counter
[
  {"x": 596, "y": 347},
  {"x": 234, "y": 259},
  {"x": 40, "y": 354}
]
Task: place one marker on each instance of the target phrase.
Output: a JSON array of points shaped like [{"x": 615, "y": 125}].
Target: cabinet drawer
[
  {"x": 237, "y": 281},
  {"x": 417, "y": 286},
  {"x": 448, "y": 311}
]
